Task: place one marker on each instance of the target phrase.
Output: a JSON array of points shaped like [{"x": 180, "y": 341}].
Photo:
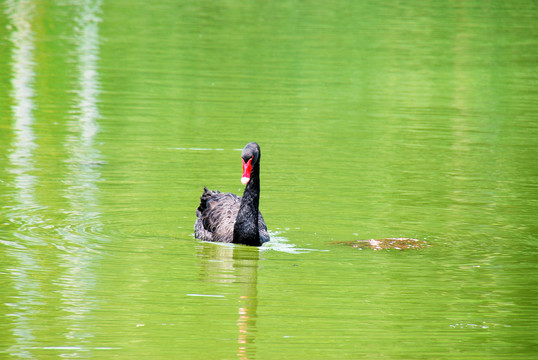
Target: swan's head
[{"x": 250, "y": 156}]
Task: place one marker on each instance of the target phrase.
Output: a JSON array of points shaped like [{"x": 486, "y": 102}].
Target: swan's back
[{"x": 216, "y": 217}]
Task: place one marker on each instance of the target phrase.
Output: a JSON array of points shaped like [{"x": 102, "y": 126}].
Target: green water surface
[{"x": 413, "y": 119}]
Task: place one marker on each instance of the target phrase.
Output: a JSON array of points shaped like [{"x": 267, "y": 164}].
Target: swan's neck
[{"x": 246, "y": 224}]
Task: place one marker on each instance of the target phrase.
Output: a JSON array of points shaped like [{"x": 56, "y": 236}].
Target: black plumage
[{"x": 226, "y": 217}]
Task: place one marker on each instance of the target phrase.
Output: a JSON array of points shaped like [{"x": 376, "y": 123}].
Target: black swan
[{"x": 226, "y": 217}]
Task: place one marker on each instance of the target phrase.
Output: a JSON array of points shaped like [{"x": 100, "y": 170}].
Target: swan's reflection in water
[{"x": 235, "y": 265}]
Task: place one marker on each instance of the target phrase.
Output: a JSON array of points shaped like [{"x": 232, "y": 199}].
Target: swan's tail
[{"x": 206, "y": 195}]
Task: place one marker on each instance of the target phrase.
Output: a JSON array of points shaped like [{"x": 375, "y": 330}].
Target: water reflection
[
  {"x": 21, "y": 15},
  {"x": 23, "y": 306},
  {"x": 28, "y": 257},
  {"x": 81, "y": 180},
  {"x": 229, "y": 264},
  {"x": 84, "y": 158}
]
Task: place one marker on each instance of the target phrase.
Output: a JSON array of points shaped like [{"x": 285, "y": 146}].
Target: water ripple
[{"x": 281, "y": 244}]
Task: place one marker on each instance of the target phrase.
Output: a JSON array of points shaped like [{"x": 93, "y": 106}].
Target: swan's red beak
[{"x": 247, "y": 168}]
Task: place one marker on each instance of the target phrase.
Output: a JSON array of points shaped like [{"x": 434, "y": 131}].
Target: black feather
[{"x": 226, "y": 217}]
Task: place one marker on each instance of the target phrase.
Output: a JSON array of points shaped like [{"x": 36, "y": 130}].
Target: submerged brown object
[{"x": 386, "y": 244}]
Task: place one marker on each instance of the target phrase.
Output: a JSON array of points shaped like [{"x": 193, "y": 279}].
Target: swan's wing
[
  {"x": 264, "y": 234},
  {"x": 216, "y": 216},
  {"x": 200, "y": 232}
]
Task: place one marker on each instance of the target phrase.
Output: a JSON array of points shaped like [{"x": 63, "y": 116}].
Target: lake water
[{"x": 391, "y": 119}]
